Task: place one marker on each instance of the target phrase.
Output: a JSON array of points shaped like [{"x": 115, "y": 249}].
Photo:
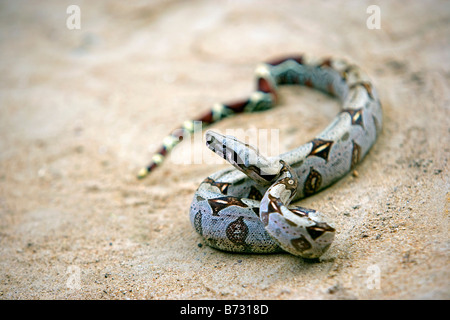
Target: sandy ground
[{"x": 82, "y": 110}]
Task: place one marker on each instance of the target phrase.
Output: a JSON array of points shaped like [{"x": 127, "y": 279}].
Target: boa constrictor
[{"x": 246, "y": 209}]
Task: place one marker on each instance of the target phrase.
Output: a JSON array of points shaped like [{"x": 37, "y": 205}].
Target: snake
[{"x": 247, "y": 207}]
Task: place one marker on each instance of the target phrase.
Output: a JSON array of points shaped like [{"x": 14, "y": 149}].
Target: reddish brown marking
[
  {"x": 312, "y": 183},
  {"x": 321, "y": 148},
  {"x": 297, "y": 58},
  {"x": 319, "y": 229},
  {"x": 299, "y": 213},
  {"x": 301, "y": 243},
  {"x": 237, "y": 231},
  {"x": 151, "y": 166},
  {"x": 308, "y": 83},
  {"x": 356, "y": 155},
  {"x": 207, "y": 117},
  {"x": 368, "y": 87},
  {"x": 330, "y": 89},
  {"x": 264, "y": 85},
  {"x": 325, "y": 63},
  {"x": 302, "y": 212},
  {"x": 273, "y": 206},
  {"x": 276, "y": 204},
  {"x": 162, "y": 151},
  {"x": 220, "y": 203},
  {"x": 356, "y": 116},
  {"x": 223, "y": 186}
]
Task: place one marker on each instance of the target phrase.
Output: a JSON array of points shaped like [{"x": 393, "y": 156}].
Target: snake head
[{"x": 244, "y": 157}]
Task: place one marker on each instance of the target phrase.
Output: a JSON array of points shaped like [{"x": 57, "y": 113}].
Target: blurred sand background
[{"x": 82, "y": 110}]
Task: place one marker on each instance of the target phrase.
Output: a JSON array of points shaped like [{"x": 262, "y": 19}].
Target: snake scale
[{"x": 246, "y": 208}]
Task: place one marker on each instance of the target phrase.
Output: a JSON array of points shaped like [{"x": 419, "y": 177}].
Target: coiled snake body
[{"x": 245, "y": 209}]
